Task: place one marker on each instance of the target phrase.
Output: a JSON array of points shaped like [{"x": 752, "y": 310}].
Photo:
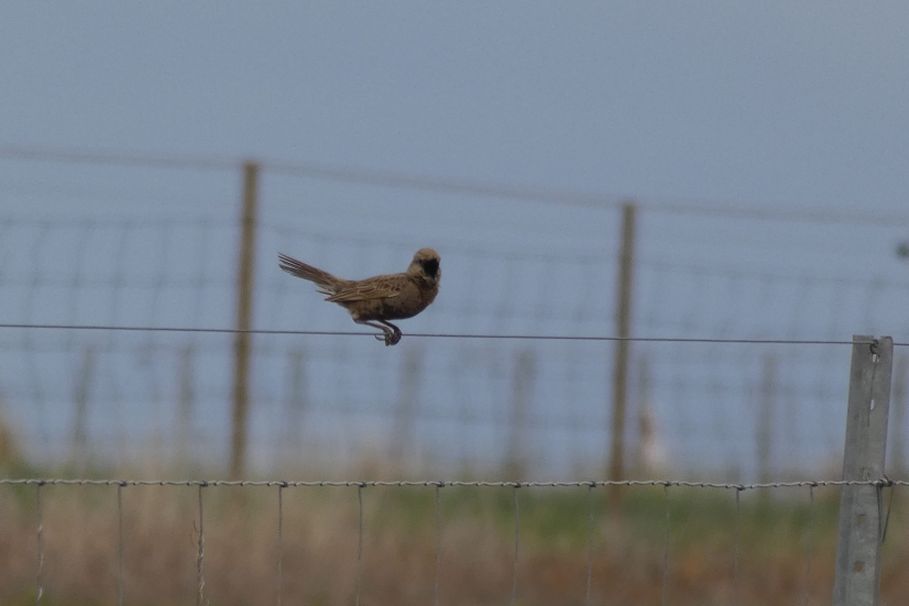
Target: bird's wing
[{"x": 370, "y": 289}]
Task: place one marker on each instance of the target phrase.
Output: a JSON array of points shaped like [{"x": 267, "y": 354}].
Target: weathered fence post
[
  {"x": 620, "y": 361},
  {"x": 858, "y": 557},
  {"x": 900, "y": 391},
  {"x": 242, "y": 342}
]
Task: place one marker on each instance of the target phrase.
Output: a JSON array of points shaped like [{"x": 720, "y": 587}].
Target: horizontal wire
[
  {"x": 112, "y": 158},
  {"x": 817, "y": 216},
  {"x": 880, "y": 482},
  {"x": 429, "y": 335},
  {"x": 310, "y": 170},
  {"x": 440, "y": 185}
]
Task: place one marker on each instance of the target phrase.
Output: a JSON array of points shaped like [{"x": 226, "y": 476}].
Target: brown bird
[{"x": 376, "y": 300}]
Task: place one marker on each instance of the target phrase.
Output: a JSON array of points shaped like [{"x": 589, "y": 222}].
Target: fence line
[
  {"x": 756, "y": 288},
  {"x": 882, "y": 482},
  {"x": 123, "y": 271},
  {"x": 857, "y": 578},
  {"x": 440, "y": 335},
  {"x": 359, "y": 562},
  {"x": 397, "y": 180}
]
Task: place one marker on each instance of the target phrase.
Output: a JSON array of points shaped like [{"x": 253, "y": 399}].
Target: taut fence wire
[
  {"x": 876, "y": 483},
  {"x": 439, "y": 335}
]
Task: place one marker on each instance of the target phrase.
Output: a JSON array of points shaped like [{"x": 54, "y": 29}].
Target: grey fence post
[{"x": 858, "y": 556}]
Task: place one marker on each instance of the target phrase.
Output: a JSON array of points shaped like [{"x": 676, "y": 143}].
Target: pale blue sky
[{"x": 773, "y": 103}]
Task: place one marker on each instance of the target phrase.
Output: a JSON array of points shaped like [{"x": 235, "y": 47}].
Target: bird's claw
[{"x": 391, "y": 337}]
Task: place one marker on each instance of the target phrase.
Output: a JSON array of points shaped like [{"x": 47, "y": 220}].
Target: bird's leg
[
  {"x": 389, "y": 336},
  {"x": 395, "y": 335}
]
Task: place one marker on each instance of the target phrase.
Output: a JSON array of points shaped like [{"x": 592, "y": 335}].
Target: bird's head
[{"x": 426, "y": 264}]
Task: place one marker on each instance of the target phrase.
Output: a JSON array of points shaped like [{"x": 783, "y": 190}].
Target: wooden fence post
[
  {"x": 242, "y": 341},
  {"x": 862, "y": 516},
  {"x": 620, "y": 361}
]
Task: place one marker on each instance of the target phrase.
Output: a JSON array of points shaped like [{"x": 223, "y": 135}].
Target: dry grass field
[{"x": 779, "y": 549}]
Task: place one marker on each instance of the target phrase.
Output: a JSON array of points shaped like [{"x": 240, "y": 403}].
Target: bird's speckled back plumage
[{"x": 383, "y": 297}]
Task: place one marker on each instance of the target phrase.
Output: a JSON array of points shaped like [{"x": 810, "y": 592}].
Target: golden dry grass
[{"x": 785, "y": 548}]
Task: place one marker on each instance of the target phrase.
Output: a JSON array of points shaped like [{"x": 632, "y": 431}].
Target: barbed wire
[
  {"x": 883, "y": 482},
  {"x": 398, "y": 180},
  {"x": 438, "y": 335}
]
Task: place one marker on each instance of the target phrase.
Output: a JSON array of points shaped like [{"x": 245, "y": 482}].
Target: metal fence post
[
  {"x": 242, "y": 343},
  {"x": 620, "y": 362},
  {"x": 858, "y": 557}
]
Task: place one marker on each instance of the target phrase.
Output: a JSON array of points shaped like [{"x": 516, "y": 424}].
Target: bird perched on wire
[{"x": 376, "y": 300}]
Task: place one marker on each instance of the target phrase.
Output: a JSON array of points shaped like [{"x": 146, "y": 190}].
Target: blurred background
[
  {"x": 747, "y": 162},
  {"x": 79, "y": 251}
]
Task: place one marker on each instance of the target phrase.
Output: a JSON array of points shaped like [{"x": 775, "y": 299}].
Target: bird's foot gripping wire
[
  {"x": 391, "y": 333},
  {"x": 391, "y": 337}
]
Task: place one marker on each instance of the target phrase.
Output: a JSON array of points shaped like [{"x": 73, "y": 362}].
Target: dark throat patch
[{"x": 431, "y": 267}]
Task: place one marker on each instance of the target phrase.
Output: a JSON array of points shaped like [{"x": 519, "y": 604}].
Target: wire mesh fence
[
  {"x": 235, "y": 542},
  {"x": 133, "y": 244},
  {"x": 740, "y": 325}
]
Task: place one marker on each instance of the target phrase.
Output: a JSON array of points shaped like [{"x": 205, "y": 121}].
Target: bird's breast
[{"x": 413, "y": 298}]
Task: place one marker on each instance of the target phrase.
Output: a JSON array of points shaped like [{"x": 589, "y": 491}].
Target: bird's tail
[{"x": 326, "y": 282}]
